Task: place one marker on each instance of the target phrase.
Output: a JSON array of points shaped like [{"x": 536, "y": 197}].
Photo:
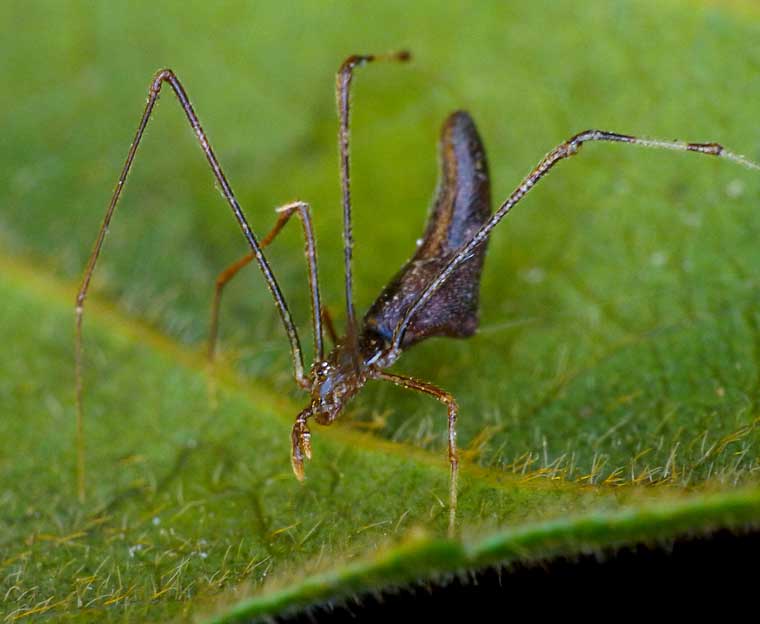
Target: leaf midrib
[{"x": 55, "y": 291}]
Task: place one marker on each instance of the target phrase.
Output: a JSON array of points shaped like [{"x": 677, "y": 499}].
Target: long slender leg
[
  {"x": 562, "y": 151},
  {"x": 310, "y": 251},
  {"x": 448, "y": 400},
  {"x": 342, "y": 92},
  {"x": 167, "y": 76}
]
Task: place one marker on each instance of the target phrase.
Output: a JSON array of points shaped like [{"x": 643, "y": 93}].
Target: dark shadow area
[{"x": 691, "y": 572}]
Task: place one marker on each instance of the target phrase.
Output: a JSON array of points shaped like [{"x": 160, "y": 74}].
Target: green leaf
[
  {"x": 611, "y": 396},
  {"x": 192, "y": 491}
]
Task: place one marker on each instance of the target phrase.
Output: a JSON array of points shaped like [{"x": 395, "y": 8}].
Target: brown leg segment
[
  {"x": 221, "y": 281},
  {"x": 329, "y": 325},
  {"x": 448, "y": 400},
  {"x": 310, "y": 250}
]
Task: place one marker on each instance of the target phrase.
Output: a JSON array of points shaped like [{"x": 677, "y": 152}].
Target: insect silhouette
[{"x": 434, "y": 294}]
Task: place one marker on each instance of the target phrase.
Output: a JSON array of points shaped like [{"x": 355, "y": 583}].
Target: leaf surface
[{"x": 610, "y": 397}]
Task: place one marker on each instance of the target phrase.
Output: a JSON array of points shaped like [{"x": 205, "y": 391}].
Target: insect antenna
[{"x": 565, "y": 150}]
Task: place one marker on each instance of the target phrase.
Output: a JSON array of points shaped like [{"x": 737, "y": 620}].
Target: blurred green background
[
  {"x": 620, "y": 334},
  {"x": 608, "y": 296}
]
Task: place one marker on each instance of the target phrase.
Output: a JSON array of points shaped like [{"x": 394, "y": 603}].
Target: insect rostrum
[{"x": 435, "y": 294}]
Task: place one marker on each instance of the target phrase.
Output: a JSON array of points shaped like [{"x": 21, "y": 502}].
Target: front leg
[
  {"x": 300, "y": 439},
  {"x": 448, "y": 400}
]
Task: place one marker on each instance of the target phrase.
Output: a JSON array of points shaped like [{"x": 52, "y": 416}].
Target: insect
[{"x": 434, "y": 294}]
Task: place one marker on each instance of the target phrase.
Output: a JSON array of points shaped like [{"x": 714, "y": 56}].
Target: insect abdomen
[{"x": 462, "y": 204}]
